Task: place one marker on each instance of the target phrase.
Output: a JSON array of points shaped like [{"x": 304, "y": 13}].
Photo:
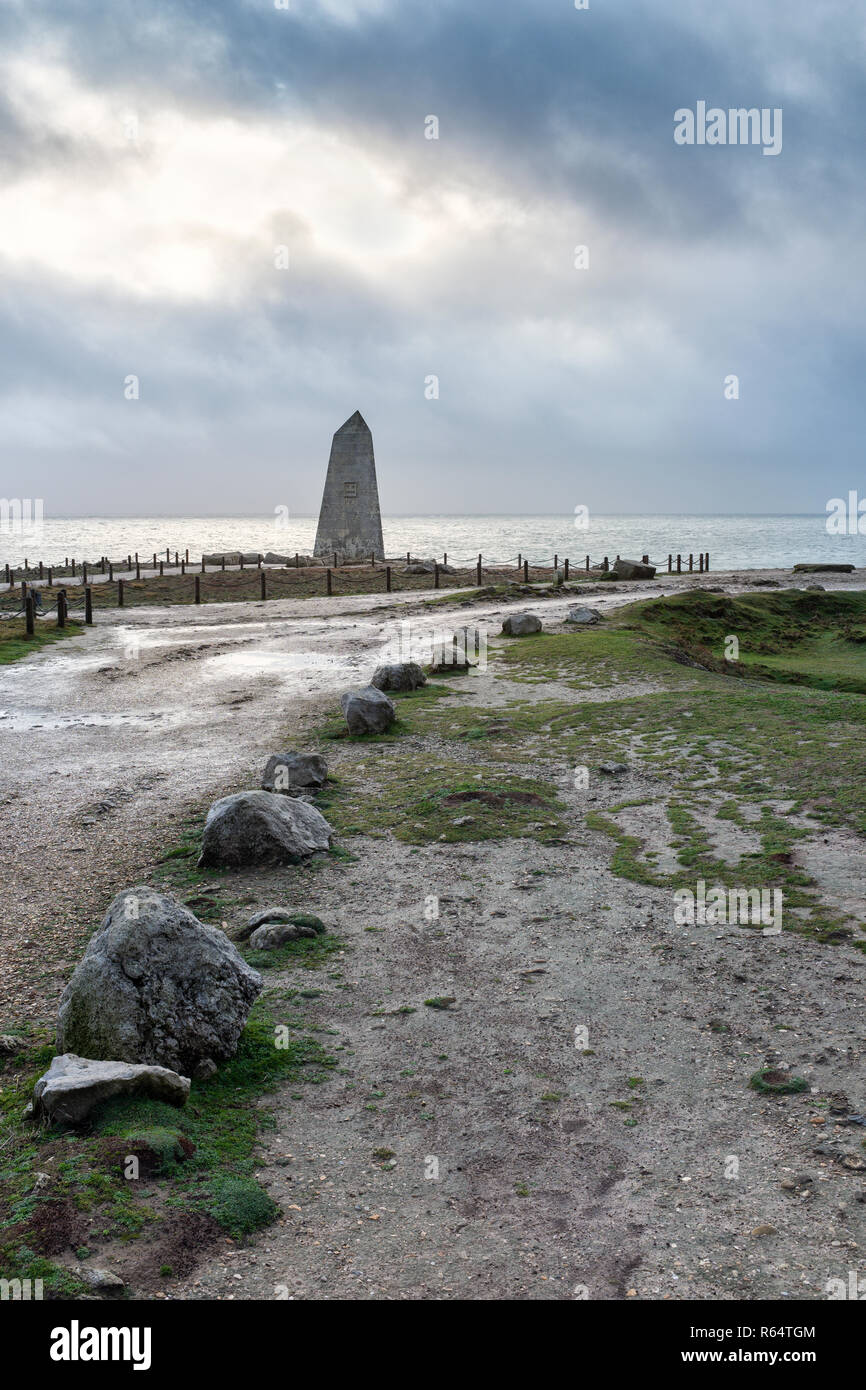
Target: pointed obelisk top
[{"x": 354, "y": 422}]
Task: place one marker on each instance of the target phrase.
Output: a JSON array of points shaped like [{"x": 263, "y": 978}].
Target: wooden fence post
[
  {"x": 61, "y": 608},
  {"x": 556, "y": 562},
  {"x": 88, "y": 604},
  {"x": 566, "y": 567},
  {"x": 197, "y": 589},
  {"x": 526, "y": 571},
  {"x": 330, "y": 589},
  {"x": 691, "y": 563},
  {"x": 478, "y": 571},
  {"x": 679, "y": 564},
  {"x": 50, "y": 576},
  {"x": 120, "y": 593},
  {"x": 264, "y": 583},
  {"x": 707, "y": 565},
  {"x": 387, "y": 579},
  {"x": 670, "y": 563},
  {"x": 161, "y": 569},
  {"x": 30, "y": 615},
  {"x": 138, "y": 570}
]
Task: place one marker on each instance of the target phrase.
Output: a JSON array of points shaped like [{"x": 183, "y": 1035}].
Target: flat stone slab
[
  {"x": 824, "y": 569},
  {"x": 74, "y": 1085}
]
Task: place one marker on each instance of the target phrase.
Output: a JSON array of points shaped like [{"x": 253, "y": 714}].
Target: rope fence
[{"x": 108, "y": 583}]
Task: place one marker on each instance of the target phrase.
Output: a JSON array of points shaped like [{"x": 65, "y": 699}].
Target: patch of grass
[
  {"x": 312, "y": 952},
  {"x": 777, "y": 1083},
  {"x": 238, "y": 1204},
  {"x": 15, "y": 644}
]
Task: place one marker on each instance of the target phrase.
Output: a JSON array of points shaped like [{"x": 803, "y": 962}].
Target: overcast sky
[{"x": 155, "y": 154}]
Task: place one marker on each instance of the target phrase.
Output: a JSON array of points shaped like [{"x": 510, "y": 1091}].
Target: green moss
[
  {"x": 238, "y": 1204},
  {"x": 775, "y": 1083}
]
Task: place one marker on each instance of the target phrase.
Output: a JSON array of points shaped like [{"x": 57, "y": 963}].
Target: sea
[{"x": 734, "y": 542}]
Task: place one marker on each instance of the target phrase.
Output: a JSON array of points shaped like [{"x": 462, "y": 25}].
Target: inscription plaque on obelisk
[{"x": 350, "y": 523}]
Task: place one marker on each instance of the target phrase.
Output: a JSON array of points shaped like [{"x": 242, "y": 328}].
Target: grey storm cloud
[{"x": 556, "y": 129}]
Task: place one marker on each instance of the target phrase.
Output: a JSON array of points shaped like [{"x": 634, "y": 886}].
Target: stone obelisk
[{"x": 350, "y": 523}]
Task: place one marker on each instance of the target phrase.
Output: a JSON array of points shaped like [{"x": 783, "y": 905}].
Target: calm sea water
[{"x": 734, "y": 542}]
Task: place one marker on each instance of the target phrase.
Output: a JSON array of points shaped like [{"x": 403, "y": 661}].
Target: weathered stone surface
[
  {"x": 350, "y": 523},
  {"x": 273, "y": 559},
  {"x": 261, "y": 828},
  {"x": 402, "y": 675},
  {"x": 613, "y": 769},
  {"x": 824, "y": 569},
  {"x": 156, "y": 985},
  {"x": 521, "y": 624},
  {"x": 419, "y": 567},
  {"x": 102, "y": 1280},
  {"x": 632, "y": 569},
  {"x": 272, "y": 933},
  {"x": 294, "y": 773},
  {"x": 278, "y": 915},
  {"x": 367, "y": 711},
  {"x": 584, "y": 617},
  {"x": 74, "y": 1085}
]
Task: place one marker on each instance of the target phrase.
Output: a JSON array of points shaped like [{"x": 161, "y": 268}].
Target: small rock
[
  {"x": 613, "y": 769},
  {"x": 764, "y": 1231},
  {"x": 401, "y": 675},
  {"x": 272, "y": 934},
  {"x": 584, "y": 617},
  {"x": 521, "y": 624},
  {"x": 367, "y": 711},
  {"x": 294, "y": 773},
  {"x": 261, "y": 828},
  {"x": 102, "y": 1280},
  {"x": 632, "y": 569}
]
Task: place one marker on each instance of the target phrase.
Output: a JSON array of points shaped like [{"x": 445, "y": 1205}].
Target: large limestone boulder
[
  {"x": 521, "y": 624},
  {"x": 633, "y": 569},
  {"x": 73, "y": 1086},
  {"x": 402, "y": 675},
  {"x": 367, "y": 711},
  {"x": 295, "y": 773},
  {"x": 261, "y": 828},
  {"x": 157, "y": 985}
]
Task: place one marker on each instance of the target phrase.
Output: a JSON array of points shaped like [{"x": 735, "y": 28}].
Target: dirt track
[{"x": 543, "y": 1189}]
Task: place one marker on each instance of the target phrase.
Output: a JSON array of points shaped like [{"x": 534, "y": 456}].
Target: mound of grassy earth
[
  {"x": 141, "y": 1167},
  {"x": 804, "y": 638}
]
